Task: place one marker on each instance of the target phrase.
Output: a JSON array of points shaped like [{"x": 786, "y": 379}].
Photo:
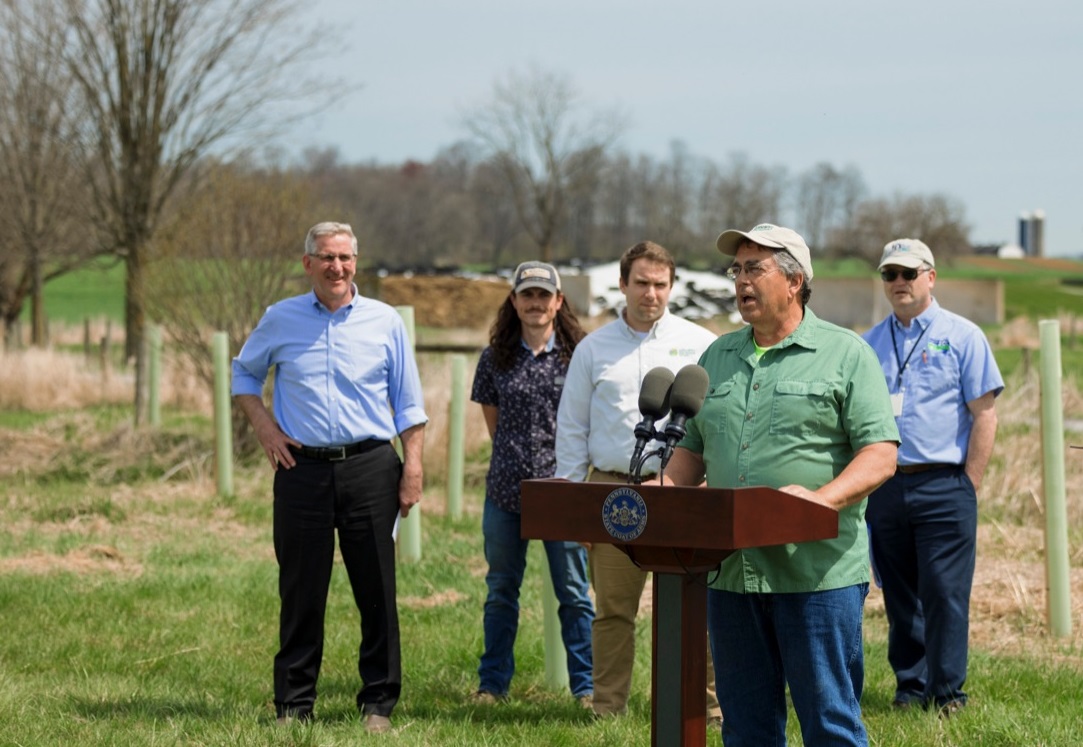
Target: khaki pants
[{"x": 618, "y": 585}]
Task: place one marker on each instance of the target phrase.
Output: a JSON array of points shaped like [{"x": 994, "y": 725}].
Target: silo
[
  {"x": 1036, "y": 233},
  {"x": 1024, "y": 232}
]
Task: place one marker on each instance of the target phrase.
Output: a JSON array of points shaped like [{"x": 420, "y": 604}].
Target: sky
[{"x": 969, "y": 99}]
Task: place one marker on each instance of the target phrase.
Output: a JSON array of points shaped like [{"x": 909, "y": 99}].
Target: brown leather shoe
[
  {"x": 377, "y": 724},
  {"x": 951, "y": 708},
  {"x": 486, "y": 698}
]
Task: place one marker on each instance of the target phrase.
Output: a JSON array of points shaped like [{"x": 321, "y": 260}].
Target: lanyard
[{"x": 895, "y": 347}]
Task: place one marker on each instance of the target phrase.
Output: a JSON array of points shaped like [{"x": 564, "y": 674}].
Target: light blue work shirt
[
  {"x": 945, "y": 362},
  {"x": 335, "y": 373}
]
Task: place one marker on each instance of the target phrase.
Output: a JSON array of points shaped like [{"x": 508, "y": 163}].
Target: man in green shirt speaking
[{"x": 797, "y": 404}]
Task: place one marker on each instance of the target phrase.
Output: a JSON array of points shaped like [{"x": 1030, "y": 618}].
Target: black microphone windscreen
[
  {"x": 654, "y": 392},
  {"x": 689, "y": 390}
]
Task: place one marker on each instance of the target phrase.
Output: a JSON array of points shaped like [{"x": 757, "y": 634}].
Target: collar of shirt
[
  {"x": 657, "y": 329},
  {"x": 805, "y": 335},
  {"x": 922, "y": 320},
  {"x": 549, "y": 345},
  {"x": 319, "y": 304}
]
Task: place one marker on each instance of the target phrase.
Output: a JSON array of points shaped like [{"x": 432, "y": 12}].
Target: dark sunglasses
[{"x": 909, "y": 273}]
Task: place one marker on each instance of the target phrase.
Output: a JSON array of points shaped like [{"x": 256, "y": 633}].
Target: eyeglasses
[
  {"x": 327, "y": 259},
  {"x": 754, "y": 271},
  {"x": 908, "y": 274}
]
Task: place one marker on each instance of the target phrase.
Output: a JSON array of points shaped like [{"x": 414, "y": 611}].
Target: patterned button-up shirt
[{"x": 526, "y": 396}]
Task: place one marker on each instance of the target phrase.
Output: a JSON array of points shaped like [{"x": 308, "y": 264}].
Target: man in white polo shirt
[{"x": 596, "y": 423}]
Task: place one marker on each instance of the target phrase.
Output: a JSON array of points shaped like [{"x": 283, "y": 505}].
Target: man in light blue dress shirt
[
  {"x": 346, "y": 383},
  {"x": 923, "y": 522}
]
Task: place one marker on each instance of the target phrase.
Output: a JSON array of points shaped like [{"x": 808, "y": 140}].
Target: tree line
[{"x": 144, "y": 131}]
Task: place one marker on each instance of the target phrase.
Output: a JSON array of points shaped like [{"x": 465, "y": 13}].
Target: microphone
[
  {"x": 653, "y": 405},
  {"x": 685, "y": 398}
]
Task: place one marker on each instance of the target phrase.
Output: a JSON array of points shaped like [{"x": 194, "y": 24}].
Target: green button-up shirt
[{"x": 794, "y": 417}]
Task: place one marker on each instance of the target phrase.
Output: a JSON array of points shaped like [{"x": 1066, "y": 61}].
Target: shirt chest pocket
[
  {"x": 718, "y": 407},
  {"x": 363, "y": 365},
  {"x": 936, "y": 371},
  {"x": 802, "y": 408}
]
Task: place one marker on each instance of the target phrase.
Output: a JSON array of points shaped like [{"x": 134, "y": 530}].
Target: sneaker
[
  {"x": 377, "y": 724},
  {"x": 486, "y": 698},
  {"x": 586, "y": 701}
]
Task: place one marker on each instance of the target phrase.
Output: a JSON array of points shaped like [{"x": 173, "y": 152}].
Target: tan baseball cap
[
  {"x": 906, "y": 253},
  {"x": 772, "y": 236},
  {"x": 536, "y": 275}
]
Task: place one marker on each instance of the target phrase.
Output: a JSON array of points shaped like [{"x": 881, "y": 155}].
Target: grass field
[{"x": 139, "y": 608}]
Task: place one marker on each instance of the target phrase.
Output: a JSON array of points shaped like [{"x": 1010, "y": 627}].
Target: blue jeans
[
  {"x": 505, "y": 552},
  {"x": 809, "y": 641},
  {"x": 923, "y": 532}
]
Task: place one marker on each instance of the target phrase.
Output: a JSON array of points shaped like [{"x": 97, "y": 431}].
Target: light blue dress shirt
[
  {"x": 340, "y": 377},
  {"x": 939, "y": 363}
]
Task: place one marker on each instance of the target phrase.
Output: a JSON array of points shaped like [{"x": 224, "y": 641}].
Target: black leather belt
[
  {"x": 910, "y": 469},
  {"x": 338, "y": 453}
]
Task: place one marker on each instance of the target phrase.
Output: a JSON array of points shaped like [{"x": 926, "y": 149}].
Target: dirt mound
[{"x": 444, "y": 301}]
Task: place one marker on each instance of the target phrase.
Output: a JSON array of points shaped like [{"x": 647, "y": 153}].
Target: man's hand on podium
[{"x": 802, "y": 492}]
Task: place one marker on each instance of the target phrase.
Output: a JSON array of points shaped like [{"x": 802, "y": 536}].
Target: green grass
[
  {"x": 95, "y": 291},
  {"x": 146, "y": 614}
]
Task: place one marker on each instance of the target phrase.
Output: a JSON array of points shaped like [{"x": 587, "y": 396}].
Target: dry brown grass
[{"x": 46, "y": 380}]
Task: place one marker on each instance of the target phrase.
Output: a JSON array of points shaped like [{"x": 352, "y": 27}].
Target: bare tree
[
  {"x": 543, "y": 144},
  {"x": 827, "y": 198},
  {"x": 494, "y": 213},
  {"x": 165, "y": 82},
  {"x": 740, "y": 195},
  {"x": 225, "y": 253},
  {"x": 41, "y": 206},
  {"x": 938, "y": 220}
]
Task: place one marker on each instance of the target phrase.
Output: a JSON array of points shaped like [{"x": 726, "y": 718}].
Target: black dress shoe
[{"x": 290, "y": 715}]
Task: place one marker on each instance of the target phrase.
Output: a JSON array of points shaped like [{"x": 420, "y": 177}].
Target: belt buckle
[{"x": 337, "y": 453}]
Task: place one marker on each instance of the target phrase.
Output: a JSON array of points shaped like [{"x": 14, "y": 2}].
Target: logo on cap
[{"x": 535, "y": 272}]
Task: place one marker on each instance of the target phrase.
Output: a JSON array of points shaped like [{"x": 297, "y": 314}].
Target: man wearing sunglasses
[{"x": 923, "y": 521}]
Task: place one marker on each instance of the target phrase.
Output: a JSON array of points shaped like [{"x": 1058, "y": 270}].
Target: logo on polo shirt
[{"x": 624, "y": 514}]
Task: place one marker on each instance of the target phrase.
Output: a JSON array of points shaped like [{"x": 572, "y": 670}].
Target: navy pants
[
  {"x": 359, "y": 498},
  {"x": 923, "y": 535}
]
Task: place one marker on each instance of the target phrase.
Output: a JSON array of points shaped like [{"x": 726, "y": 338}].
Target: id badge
[{"x": 896, "y": 404}]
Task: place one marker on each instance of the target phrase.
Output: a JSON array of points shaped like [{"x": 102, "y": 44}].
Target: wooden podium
[{"x": 681, "y": 534}]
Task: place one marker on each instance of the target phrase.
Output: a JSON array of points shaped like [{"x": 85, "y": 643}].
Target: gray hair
[
  {"x": 328, "y": 228},
  {"x": 791, "y": 268}
]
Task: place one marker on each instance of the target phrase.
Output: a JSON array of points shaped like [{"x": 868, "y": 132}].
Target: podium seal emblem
[{"x": 624, "y": 514}]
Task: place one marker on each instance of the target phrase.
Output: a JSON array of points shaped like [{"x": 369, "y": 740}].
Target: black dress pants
[{"x": 358, "y": 497}]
